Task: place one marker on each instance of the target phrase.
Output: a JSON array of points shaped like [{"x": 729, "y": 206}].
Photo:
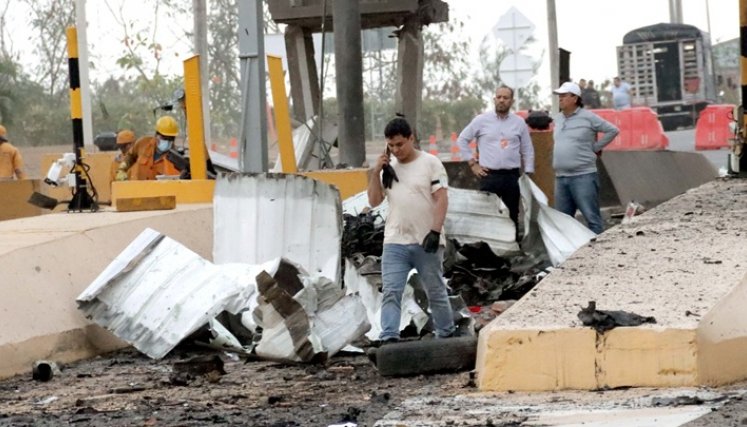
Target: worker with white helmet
[
  {"x": 150, "y": 153},
  {"x": 11, "y": 162}
]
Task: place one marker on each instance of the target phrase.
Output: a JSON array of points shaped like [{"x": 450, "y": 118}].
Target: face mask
[{"x": 163, "y": 145}]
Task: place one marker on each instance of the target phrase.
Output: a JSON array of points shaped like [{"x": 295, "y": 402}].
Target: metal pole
[
  {"x": 82, "y": 199},
  {"x": 739, "y": 150},
  {"x": 199, "y": 13},
  {"x": 675, "y": 11},
  {"x": 349, "y": 63},
  {"x": 85, "y": 86},
  {"x": 253, "y": 131},
  {"x": 552, "y": 34}
]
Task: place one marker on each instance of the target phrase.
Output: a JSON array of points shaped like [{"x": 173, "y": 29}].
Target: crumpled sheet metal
[
  {"x": 157, "y": 292},
  {"x": 258, "y": 217},
  {"x": 561, "y": 234},
  {"x": 306, "y": 324},
  {"x": 357, "y": 203},
  {"x": 365, "y": 288},
  {"x": 477, "y": 216},
  {"x": 473, "y": 216}
]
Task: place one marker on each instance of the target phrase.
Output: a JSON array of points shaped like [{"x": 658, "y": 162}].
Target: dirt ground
[{"x": 127, "y": 389}]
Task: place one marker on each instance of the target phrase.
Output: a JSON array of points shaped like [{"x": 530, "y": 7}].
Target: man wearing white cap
[{"x": 575, "y": 156}]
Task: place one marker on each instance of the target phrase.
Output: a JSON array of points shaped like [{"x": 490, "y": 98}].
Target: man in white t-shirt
[{"x": 415, "y": 184}]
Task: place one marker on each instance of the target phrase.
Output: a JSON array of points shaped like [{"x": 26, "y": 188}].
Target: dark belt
[{"x": 514, "y": 171}]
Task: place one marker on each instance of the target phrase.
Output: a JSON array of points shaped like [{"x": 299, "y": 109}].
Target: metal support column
[
  {"x": 410, "y": 60},
  {"x": 552, "y": 34},
  {"x": 199, "y": 12},
  {"x": 304, "y": 80},
  {"x": 739, "y": 147},
  {"x": 253, "y": 131},
  {"x": 349, "y": 63}
]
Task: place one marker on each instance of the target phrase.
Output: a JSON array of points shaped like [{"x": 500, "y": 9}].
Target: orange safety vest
[
  {"x": 146, "y": 167},
  {"x": 10, "y": 161}
]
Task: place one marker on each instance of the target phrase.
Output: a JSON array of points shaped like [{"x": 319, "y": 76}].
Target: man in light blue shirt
[
  {"x": 575, "y": 155},
  {"x": 620, "y": 94},
  {"x": 503, "y": 146}
]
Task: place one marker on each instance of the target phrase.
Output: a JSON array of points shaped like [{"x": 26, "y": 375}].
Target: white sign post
[{"x": 514, "y": 29}]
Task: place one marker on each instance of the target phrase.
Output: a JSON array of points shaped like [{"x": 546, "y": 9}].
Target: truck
[{"x": 670, "y": 69}]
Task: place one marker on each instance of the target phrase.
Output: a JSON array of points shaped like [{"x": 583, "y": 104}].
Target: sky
[{"x": 591, "y": 29}]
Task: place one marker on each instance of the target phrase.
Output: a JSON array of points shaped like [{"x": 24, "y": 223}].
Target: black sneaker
[{"x": 380, "y": 343}]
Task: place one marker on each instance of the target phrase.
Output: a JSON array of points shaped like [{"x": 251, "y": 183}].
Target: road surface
[{"x": 684, "y": 140}]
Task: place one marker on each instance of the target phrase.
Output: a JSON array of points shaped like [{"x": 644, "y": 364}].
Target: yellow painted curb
[
  {"x": 186, "y": 191},
  {"x": 349, "y": 181}
]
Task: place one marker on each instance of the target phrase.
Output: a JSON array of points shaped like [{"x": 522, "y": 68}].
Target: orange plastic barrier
[
  {"x": 432, "y": 147},
  {"x": 640, "y": 129},
  {"x": 234, "y": 148},
  {"x": 712, "y": 130},
  {"x": 455, "y": 148}
]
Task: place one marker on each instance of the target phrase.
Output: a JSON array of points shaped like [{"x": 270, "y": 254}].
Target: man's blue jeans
[
  {"x": 396, "y": 263},
  {"x": 580, "y": 192}
]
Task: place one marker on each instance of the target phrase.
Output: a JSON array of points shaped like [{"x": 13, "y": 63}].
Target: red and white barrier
[{"x": 712, "y": 131}]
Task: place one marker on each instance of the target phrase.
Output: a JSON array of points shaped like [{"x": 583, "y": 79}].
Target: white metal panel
[
  {"x": 157, "y": 292},
  {"x": 561, "y": 234},
  {"x": 265, "y": 216},
  {"x": 476, "y": 216}
]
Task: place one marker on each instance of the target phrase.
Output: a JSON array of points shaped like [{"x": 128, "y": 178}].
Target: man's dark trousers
[{"x": 505, "y": 184}]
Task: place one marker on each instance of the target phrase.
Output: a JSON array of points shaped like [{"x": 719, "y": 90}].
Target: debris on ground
[
  {"x": 428, "y": 356},
  {"x": 604, "y": 320},
  {"x": 44, "y": 370},
  {"x": 209, "y": 367},
  {"x": 157, "y": 293}
]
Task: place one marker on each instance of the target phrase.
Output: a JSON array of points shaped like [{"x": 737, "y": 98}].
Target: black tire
[{"x": 427, "y": 356}]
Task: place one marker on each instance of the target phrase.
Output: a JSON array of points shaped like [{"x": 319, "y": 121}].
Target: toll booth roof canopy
[{"x": 374, "y": 13}]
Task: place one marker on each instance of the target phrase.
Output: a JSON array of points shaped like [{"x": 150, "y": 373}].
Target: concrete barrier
[
  {"x": 682, "y": 263},
  {"x": 13, "y": 197},
  {"x": 49, "y": 260},
  {"x": 652, "y": 177}
]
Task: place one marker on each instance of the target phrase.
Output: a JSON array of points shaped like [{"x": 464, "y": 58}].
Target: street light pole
[{"x": 552, "y": 33}]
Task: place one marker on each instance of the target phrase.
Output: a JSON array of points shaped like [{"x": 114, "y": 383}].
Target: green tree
[
  {"x": 223, "y": 67},
  {"x": 447, "y": 74},
  {"x": 50, "y": 19},
  {"x": 8, "y": 89}
]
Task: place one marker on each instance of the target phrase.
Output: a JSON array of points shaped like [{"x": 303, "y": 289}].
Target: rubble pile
[
  {"x": 362, "y": 234},
  {"x": 473, "y": 270}
]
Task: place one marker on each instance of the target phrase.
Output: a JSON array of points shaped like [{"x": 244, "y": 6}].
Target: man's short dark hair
[
  {"x": 510, "y": 89},
  {"x": 397, "y": 126}
]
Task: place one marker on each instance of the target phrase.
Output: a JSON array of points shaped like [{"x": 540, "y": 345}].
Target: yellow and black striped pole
[{"x": 82, "y": 199}]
